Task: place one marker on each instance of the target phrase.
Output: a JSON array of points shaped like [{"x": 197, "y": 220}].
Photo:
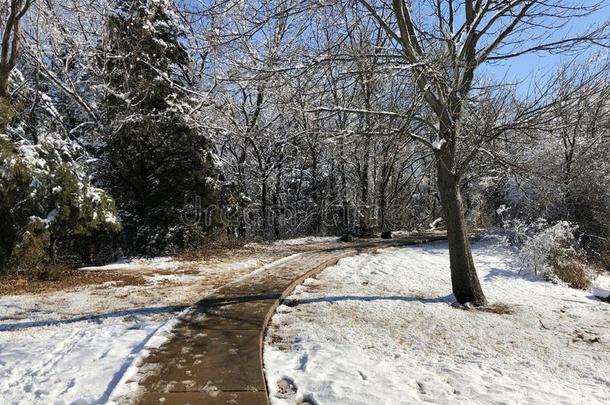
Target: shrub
[
  {"x": 7, "y": 113},
  {"x": 574, "y": 273},
  {"x": 45, "y": 197},
  {"x": 32, "y": 250},
  {"x": 551, "y": 251},
  {"x": 185, "y": 237},
  {"x": 542, "y": 246}
]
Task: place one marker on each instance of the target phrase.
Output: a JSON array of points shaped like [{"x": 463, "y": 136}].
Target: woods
[{"x": 158, "y": 126}]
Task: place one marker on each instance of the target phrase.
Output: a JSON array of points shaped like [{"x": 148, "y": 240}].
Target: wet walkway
[{"x": 215, "y": 355}]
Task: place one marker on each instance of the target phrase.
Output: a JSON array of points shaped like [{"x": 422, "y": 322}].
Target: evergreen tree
[
  {"x": 46, "y": 195},
  {"x": 155, "y": 154}
]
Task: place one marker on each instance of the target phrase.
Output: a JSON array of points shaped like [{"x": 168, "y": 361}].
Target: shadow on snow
[{"x": 90, "y": 318}]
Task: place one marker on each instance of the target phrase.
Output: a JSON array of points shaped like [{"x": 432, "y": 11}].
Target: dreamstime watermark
[{"x": 342, "y": 214}]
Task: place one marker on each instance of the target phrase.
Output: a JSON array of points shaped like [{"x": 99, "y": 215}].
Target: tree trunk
[
  {"x": 276, "y": 204},
  {"x": 365, "y": 213},
  {"x": 315, "y": 194},
  {"x": 345, "y": 223},
  {"x": 52, "y": 249},
  {"x": 5, "y": 73},
  {"x": 264, "y": 209},
  {"x": 87, "y": 250},
  {"x": 464, "y": 279}
]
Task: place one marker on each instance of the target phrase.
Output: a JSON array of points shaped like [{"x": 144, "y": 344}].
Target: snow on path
[
  {"x": 78, "y": 346},
  {"x": 378, "y": 329}
]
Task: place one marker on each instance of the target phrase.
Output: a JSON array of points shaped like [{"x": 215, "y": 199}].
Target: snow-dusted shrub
[
  {"x": 548, "y": 245},
  {"x": 46, "y": 192},
  {"x": 517, "y": 231},
  {"x": 550, "y": 250},
  {"x": 184, "y": 237},
  {"x": 45, "y": 198}
]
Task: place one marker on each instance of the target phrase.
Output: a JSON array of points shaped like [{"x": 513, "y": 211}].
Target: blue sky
[{"x": 534, "y": 67}]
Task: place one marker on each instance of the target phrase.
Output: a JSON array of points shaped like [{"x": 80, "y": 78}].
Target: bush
[
  {"x": 46, "y": 193},
  {"x": 45, "y": 198},
  {"x": 542, "y": 246},
  {"x": 386, "y": 235},
  {"x": 346, "y": 237},
  {"x": 7, "y": 113},
  {"x": 32, "y": 250},
  {"x": 574, "y": 273},
  {"x": 551, "y": 251},
  {"x": 185, "y": 238}
]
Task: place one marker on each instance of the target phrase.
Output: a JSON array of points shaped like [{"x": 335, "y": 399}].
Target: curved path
[{"x": 215, "y": 354}]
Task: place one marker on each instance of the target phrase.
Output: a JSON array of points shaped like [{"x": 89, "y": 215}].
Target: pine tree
[
  {"x": 46, "y": 195},
  {"x": 155, "y": 154}
]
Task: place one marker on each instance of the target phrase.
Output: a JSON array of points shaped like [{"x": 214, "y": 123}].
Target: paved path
[{"x": 215, "y": 355}]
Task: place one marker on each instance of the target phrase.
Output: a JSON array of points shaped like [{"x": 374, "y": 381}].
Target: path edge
[
  {"x": 354, "y": 251},
  {"x": 287, "y": 291}
]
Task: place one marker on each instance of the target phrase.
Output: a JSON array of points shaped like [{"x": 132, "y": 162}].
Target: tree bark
[
  {"x": 276, "y": 204},
  {"x": 464, "y": 279},
  {"x": 264, "y": 209},
  {"x": 87, "y": 250},
  {"x": 52, "y": 248},
  {"x": 5, "y": 72}
]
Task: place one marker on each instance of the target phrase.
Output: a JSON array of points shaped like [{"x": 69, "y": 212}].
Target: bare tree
[
  {"x": 11, "y": 39},
  {"x": 446, "y": 41}
]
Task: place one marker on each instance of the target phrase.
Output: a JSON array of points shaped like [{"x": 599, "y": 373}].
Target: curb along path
[{"x": 215, "y": 354}]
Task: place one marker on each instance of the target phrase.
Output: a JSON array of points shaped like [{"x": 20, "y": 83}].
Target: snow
[
  {"x": 438, "y": 144},
  {"x": 77, "y": 360},
  {"x": 128, "y": 384},
  {"x": 84, "y": 345},
  {"x": 379, "y": 329},
  {"x": 139, "y": 263},
  {"x": 51, "y": 216},
  {"x": 308, "y": 240},
  {"x": 601, "y": 286}
]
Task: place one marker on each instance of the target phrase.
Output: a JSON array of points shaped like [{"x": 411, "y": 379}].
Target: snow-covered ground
[
  {"x": 74, "y": 361},
  {"x": 155, "y": 263},
  {"x": 379, "y": 329},
  {"x": 306, "y": 240},
  {"x": 601, "y": 287},
  {"x": 75, "y": 346}
]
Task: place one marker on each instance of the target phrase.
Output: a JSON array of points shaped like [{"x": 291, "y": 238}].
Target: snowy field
[
  {"x": 379, "y": 329},
  {"x": 75, "y": 346}
]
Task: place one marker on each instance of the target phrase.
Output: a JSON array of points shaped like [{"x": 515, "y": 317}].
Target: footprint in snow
[
  {"x": 286, "y": 388},
  {"x": 303, "y": 362},
  {"x": 308, "y": 399}
]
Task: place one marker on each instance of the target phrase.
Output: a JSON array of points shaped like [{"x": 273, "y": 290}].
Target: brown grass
[
  {"x": 497, "y": 308},
  {"x": 574, "y": 273},
  {"x": 65, "y": 278},
  {"x": 604, "y": 261},
  {"x": 214, "y": 252}
]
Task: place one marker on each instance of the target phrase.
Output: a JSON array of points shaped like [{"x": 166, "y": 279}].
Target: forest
[
  {"x": 155, "y": 126},
  {"x": 308, "y": 202}
]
